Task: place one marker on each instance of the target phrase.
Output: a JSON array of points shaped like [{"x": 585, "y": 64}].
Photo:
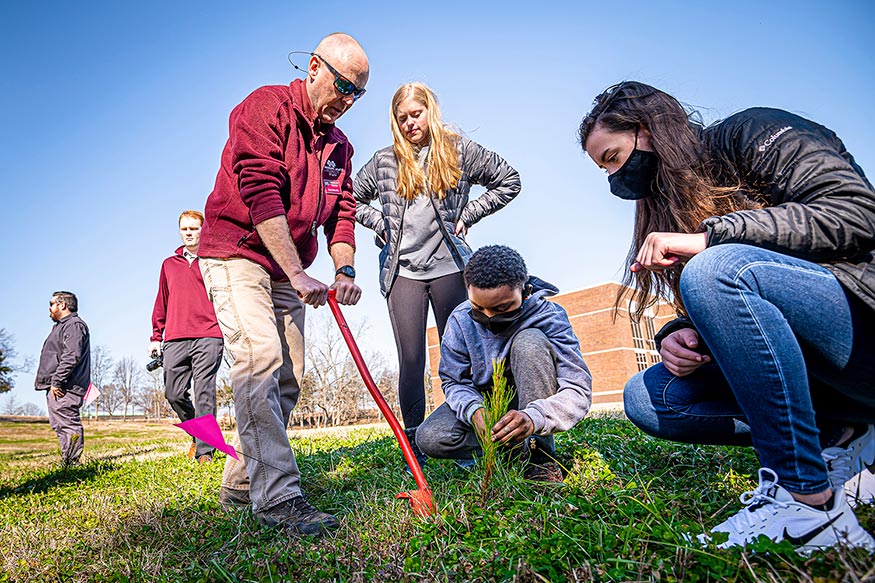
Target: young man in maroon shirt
[
  {"x": 184, "y": 319},
  {"x": 285, "y": 171}
]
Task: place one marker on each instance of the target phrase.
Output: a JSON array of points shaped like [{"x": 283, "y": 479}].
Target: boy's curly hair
[{"x": 494, "y": 266}]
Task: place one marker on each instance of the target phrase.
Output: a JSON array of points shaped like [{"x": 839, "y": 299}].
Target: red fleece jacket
[
  {"x": 182, "y": 309},
  {"x": 279, "y": 160}
]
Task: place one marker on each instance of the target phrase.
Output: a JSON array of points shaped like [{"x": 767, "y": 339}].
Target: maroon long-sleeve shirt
[
  {"x": 182, "y": 308},
  {"x": 279, "y": 161}
]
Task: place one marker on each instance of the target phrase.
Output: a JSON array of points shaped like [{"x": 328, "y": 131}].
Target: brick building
[{"x": 614, "y": 350}]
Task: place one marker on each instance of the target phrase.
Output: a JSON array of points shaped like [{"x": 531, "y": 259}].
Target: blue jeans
[{"x": 795, "y": 363}]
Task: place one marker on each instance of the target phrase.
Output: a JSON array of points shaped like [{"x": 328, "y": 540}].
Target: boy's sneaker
[
  {"x": 232, "y": 499},
  {"x": 297, "y": 516},
  {"x": 772, "y": 511},
  {"x": 847, "y": 468}
]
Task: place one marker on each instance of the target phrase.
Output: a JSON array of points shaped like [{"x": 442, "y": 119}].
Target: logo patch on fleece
[
  {"x": 332, "y": 186},
  {"x": 331, "y": 170}
]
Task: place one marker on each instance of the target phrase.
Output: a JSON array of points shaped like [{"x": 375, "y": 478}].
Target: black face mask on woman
[{"x": 634, "y": 180}]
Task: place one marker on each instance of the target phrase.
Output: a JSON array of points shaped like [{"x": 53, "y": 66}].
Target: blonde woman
[{"x": 422, "y": 183}]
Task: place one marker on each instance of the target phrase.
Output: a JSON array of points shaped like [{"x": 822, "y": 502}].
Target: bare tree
[
  {"x": 387, "y": 382},
  {"x": 128, "y": 377},
  {"x": 101, "y": 374},
  {"x": 332, "y": 382},
  {"x": 110, "y": 399},
  {"x": 333, "y": 391},
  {"x": 225, "y": 399},
  {"x": 386, "y": 379},
  {"x": 31, "y": 410},
  {"x": 307, "y": 412},
  {"x": 11, "y": 406},
  {"x": 150, "y": 398}
]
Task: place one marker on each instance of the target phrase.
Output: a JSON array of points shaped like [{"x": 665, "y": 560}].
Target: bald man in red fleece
[{"x": 285, "y": 172}]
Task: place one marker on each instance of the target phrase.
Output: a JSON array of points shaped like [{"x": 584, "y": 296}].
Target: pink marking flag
[
  {"x": 91, "y": 394},
  {"x": 206, "y": 428}
]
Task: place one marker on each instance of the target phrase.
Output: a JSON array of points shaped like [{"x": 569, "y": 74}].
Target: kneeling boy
[{"x": 508, "y": 317}]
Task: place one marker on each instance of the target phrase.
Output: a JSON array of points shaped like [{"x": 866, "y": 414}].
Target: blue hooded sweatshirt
[{"x": 468, "y": 348}]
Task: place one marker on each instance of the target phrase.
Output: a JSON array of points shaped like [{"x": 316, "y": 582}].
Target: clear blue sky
[{"x": 114, "y": 115}]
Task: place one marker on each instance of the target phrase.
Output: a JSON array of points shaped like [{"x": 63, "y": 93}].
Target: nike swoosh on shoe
[{"x": 804, "y": 539}]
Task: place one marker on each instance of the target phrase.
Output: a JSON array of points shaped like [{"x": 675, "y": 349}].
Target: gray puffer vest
[{"x": 379, "y": 179}]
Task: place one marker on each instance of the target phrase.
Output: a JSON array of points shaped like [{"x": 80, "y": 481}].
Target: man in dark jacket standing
[
  {"x": 184, "y": 319},
  {"x": 65, "y": 373},
  {"x": 285, "y": 171}
]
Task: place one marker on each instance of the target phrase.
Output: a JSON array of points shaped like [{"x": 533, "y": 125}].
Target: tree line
[{"x": 332, "y": 390}]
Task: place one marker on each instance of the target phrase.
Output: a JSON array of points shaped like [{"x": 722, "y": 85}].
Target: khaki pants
[{"x": 262, "y": 322}]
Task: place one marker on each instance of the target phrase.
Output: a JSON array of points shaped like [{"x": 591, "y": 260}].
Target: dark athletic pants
[
  {"x": 197, "y": 358},
  {"x": 408, "y": 311}
]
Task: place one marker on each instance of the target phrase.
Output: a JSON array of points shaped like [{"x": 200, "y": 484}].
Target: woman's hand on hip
[
  {"x": 461, "y": 228},
  {"x": 678, "y": 352},
  {"x": 662, "y": 250}
]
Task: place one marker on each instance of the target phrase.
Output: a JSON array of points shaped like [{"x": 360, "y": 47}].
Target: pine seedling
[{"x": 495, "y": 405}]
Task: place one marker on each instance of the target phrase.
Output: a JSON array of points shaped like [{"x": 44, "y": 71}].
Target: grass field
[{"x": 139, "y": 510}]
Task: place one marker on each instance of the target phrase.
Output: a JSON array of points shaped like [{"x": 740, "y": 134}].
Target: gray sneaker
[
  {"x": 231, "y": 499},
  {"x": 297, "y": 516}
]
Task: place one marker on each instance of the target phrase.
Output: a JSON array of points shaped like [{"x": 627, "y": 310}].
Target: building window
[
  {"x": 641, "y": 360},
  {"x": 643, "y": 333}
]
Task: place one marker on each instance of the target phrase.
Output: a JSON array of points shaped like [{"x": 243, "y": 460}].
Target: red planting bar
[{"x": 421, "y": 499}]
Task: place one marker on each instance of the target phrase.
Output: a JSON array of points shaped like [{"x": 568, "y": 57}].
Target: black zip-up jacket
[
  {"x": 65, "y": 361},
  {"x": 820, "y": 205}
]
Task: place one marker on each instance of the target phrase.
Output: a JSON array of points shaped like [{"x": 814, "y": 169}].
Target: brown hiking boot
[
  {"x": 231, "y": 499},
  {"x": 191, "y": 450},
  {"x": 206, "y": 458},
  {"x": 298, "y": 517},
  {"x": 548, "y": 472}
]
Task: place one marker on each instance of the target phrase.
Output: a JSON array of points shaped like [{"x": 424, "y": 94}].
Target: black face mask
[
  {"x": 635, "y": 178},
  {"x": 498, "y": 323}
]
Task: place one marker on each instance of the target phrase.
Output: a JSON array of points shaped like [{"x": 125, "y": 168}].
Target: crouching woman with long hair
[{"x": 760, "y": 230}]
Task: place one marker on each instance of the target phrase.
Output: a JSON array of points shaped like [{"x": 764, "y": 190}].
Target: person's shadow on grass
[{"x": 68, "y": 474}]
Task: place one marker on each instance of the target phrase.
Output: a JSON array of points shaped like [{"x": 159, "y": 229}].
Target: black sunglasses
[{"x": 343, "y": 85}]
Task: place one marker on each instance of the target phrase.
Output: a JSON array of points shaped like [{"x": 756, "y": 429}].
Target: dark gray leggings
[{"x": 408, "y": 311}]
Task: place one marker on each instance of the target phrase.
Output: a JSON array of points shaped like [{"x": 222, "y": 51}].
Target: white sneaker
[
  {"x": 847, "y": 468},
  {"x": 772, "y": 511}
]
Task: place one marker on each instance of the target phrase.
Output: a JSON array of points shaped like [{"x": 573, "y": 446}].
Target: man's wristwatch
[{"x": 347, "y": 270}]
